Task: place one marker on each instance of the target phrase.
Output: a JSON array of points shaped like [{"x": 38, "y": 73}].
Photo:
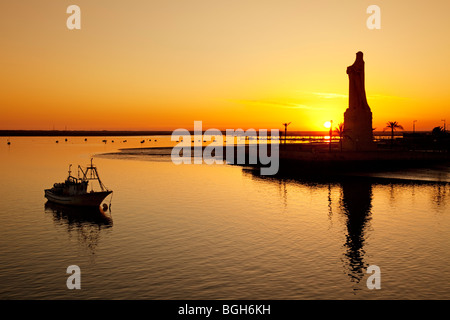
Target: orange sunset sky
[{"x": 161, "y": 64}]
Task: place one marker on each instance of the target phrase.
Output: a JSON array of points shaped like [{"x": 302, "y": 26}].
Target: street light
[
  {"x": 329, "y": 124},
  {"x": 285, "y": 130},
  {"x": 414, "y": 126}
]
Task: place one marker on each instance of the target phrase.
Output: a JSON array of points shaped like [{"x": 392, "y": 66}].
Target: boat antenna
[{"x": 93, "y": 175}]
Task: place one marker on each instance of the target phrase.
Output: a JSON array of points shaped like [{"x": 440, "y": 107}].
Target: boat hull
[{"x": 92, "y": 199}]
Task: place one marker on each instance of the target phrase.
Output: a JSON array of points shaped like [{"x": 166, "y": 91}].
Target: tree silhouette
[
  {"x": 341, "y": 132},
  {"x": 393, "y": 126},
  {"x": 437, "y": 131}
]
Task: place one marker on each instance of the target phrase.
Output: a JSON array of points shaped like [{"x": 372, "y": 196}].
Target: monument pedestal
[{"x": 358, "y": 130}]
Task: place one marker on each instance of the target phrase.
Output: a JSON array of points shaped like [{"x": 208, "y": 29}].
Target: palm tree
[
  {"x": 393, "y": 125},
  {"x": 437, "y": 131},
  {"x": 341, "y": 132}
]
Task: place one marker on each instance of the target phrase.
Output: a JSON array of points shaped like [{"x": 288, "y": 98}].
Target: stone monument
[{"x": 358, "y": 132}]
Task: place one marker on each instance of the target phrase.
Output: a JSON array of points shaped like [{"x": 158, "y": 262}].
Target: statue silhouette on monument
[{"x": 358, "y": 116}]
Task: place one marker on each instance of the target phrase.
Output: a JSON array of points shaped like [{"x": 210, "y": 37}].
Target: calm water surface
[{"x": 213, "y": 232}]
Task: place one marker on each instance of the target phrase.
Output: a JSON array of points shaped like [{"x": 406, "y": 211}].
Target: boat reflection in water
[
  {"x": 79, "y": 215},
  {"x": 86, "y": 222}
]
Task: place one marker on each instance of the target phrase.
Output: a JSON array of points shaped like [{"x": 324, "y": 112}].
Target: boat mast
[{"x": 93, "y": 175}]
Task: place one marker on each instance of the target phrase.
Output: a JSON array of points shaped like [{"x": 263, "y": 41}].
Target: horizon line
[{"x": 39, "y": 132}]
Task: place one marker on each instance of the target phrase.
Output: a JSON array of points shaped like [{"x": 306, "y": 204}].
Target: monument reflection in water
[{"x": 355, "y": 204}]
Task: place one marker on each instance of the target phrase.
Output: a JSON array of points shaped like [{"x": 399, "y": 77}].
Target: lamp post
[
  {"x": 331, "y": 132},
  {"x": 285, "y": 130},
  {"x": 414, "y": 126}
]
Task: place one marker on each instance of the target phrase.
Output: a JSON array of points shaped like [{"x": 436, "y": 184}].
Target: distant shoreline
[
  {"x": 107, "y": 133},
  {"x": 78, "y": 133}
]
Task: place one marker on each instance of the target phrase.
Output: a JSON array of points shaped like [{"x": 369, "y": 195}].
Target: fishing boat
[{"x": 74, "y": 191}]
